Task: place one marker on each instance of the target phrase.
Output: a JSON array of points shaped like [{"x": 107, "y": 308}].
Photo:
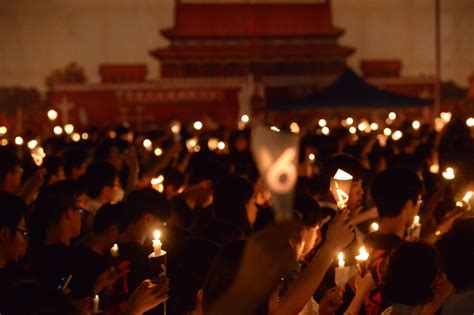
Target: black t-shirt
[
  {"x": 87, "y": 265},
  {"x": 134, "y": 265},
  {"x": 20, "y": 293},
  {"x": 51, "y": 263}
]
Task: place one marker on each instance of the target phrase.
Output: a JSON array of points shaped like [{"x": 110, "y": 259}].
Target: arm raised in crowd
[
  {"x": 339, "y": 235},
  {"x": 267, "y": 256}
]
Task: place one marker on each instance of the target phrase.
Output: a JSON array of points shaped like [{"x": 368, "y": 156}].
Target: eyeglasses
[
  {"x": 23, "y": 232},
  {"x": 81, "y": 211}
]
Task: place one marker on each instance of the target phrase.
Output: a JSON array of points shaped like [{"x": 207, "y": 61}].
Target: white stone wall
[{"x": 37, "y": 36}]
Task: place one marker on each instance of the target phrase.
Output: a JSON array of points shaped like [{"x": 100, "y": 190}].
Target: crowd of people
[{"x": 77, "y": 224}]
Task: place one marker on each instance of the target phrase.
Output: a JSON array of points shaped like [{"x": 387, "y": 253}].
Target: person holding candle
[
  {"x": 397, "y": 195},
  {"x": 91, "y": 269},
  {"x": 145, "y": 210}
]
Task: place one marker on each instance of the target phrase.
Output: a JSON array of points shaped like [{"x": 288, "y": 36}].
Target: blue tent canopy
[{"x": 349, "y": 90}]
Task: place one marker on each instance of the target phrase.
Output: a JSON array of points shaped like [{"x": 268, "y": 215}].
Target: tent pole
[{"x": 437, "y": 83}]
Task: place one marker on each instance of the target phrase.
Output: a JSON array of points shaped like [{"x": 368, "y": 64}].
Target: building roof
[
  {"x": 255, "y": 51},
  {"x": 213, "y": 20}
]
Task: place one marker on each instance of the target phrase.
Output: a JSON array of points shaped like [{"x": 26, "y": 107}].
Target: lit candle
[
  {"x": 114, "y": 250},
  {"x": 157, "y": 243},
  {"x": 363, "y": 255},
  {"x": 415, "y": 229},
  {"x": 95, "y": 306},
  {"x": 449, "y": 173},
  {"x": 374, "y": 227},
  {"x": 340, "y": 257},
  {"x": 197, "y": 125},
  {"x": 467, "y": 197},
  {"x": 340, "y": 187},
  {"x": 52, "y": 114},
  {"x": 312, "y": 157}
]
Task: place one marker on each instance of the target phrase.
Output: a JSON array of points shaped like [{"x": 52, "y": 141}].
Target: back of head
[
  {"x": 344, "y": 162},
  {"x": 187, "y": 271},
  {"x": 411, "y": 274},
  {"x": 107, "y": 216},
  {"x": 13, "y": 210},
  {"x": 393, "y": 188},
  {"x": 222, "y": 273},
  {"x": 52, "y": 164},
  {"x": 308, "y": 209},
  {"x": 73, "y": 158},
  {"x": 98, "y": 176},
  {"x": 173, "y": 177},
  {"x": 457, "y": 254},
  {"x": 231, "y": 196},
  {"x": 146, "y": 201},
  {"x": 55, "y": 199},
  {"x": 8, "y": 162}
]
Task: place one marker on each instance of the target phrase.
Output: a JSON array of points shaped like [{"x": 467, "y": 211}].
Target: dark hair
[
  {"x": 52, "y": 202},
  {"x": 13, "y": 210},
  {"x": 222, "y": 273},
  {"x": 73, "y": 158},
  {"x": 172, "y": 177},
  {"x": 393, "y": 188},
  {"x": 98, "y": 176},
  {"x": 53, "y": 165},
  {"x": 308, "y": 209},
  {"x": 8, "y": 162},
  {"x": 206, "y": 165},
  {"x": 457, "y": 254},
  {"x": 231, "y": 196},
  {"x": 344, "y": 162},
  {"x": 104, "y": 150},
  {"x": 146, "y": 201},
  {"x": 107, "y": 216},
  {"x": 411, "y": 272},
  {"x": 187, "y": 271}
]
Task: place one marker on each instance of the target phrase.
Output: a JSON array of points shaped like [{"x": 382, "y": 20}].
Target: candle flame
[
  {"x": 363, "y": 254},
  {"x": 467, "y": 197},
  {"x": 374, "y": 227},
  {"x": 449, "y": 173},
  {"x": 340, "y": 256},
  {"x": 416, "y": 220},
  {"x": 156, "y": 235}
]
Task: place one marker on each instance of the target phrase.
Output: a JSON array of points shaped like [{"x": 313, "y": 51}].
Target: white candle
[
  {"x": 114, "y": 250},
  {"x": 95, "y": 306},
  {"x": 415, "y": 228},
  {"x": 341, "y": 262},
  {"x": 157, "y": 243}
]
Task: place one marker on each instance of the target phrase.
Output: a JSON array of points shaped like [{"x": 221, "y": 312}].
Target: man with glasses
[{"x": 13, "y": 241}]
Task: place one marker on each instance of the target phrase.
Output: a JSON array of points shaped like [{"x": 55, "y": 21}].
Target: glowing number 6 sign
[{"x": 282, "y": 174}]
